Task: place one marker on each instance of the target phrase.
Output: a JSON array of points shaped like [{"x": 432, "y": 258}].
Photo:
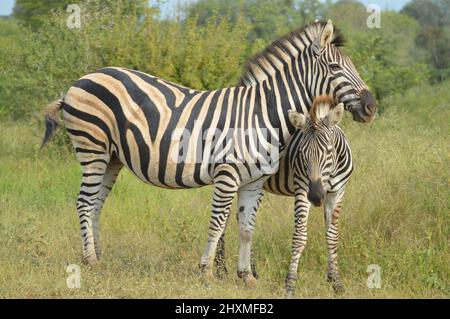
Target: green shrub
[
  {"x": 39, "y": 65},
  {"x": 204, "y": 51}
]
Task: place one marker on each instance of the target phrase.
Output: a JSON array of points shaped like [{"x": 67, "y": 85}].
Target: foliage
[
  {"x": 387, "y": 57},
  {"x": 434, "y": 34},
  {"x": 33, "y": 13},
  {"x": 204, "y": 47},
  {"x": 40, "y": 64},
  {"x": 268, "y": 18}
]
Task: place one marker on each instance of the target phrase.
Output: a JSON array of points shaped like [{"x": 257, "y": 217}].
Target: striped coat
[
  {"x": 175, "y": 137},
  {"x": 320, "y": 160}
]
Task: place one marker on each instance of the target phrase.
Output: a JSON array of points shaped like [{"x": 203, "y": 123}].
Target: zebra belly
[{"x": 103, "y": 112}]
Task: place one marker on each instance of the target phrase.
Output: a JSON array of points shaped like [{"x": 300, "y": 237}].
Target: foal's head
[{"x": 316, "y": 157}]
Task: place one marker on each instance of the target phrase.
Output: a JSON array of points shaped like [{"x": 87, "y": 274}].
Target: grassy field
[{"x": 396, "y": 215}]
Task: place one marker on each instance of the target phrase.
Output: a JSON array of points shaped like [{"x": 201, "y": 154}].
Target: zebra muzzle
[
  {"x": 316, "y": 193},
  {"x": 366, "y": 111}
]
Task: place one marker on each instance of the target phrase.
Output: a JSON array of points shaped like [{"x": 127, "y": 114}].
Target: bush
[
  {"x": 38, "y": 65},
  {"x": 204, "y": 51},
  {"x": 387, "y": 58}
]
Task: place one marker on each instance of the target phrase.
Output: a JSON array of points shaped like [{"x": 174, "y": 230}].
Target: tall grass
[{"x": 396, "y": 215}]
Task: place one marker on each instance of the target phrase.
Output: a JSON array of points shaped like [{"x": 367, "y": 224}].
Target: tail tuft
[{"x": 51, "y": 120}]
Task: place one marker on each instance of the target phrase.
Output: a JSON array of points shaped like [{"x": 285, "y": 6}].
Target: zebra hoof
[
  {"x": 336, "y": 283},
  {"x": 289, "y": 292},
  {"x": 290, "y": 285},
  {"x": 338, "y": 288},
  {"x": 90, "y": 260},
  {"x": 253, "y": 267},
  {"x": 206, "y": 273},
  {"x": 249, "y": 280}
]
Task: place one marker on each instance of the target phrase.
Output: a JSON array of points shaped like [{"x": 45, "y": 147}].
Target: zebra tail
[{"x": 51, "y": 120}]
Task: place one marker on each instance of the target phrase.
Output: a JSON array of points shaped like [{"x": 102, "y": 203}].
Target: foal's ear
[
  {"x": 337, "y": 113},
  {"x": 297, "y": 119}
]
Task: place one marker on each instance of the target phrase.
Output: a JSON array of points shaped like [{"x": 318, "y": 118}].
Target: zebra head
[
  {"x": 315, "y": 157},
  {"x": 338, "y": 76}
]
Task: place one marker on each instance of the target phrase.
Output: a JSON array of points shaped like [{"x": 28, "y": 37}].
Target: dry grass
[{"x": 396, "y": 215}]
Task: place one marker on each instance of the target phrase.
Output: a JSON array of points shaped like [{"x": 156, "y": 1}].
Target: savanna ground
[{"x": 396, "y": 215}]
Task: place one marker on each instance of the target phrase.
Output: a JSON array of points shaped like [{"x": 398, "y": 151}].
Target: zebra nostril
[
  {"x": 316, "y": 193},
  {"x": 369, "y": 105}
]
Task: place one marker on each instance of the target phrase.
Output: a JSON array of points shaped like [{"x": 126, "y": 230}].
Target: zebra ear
[
  {"x": 327, "y": 34},
  {"x": 325, "y": 38},
  {"x": 297, "y": 119},
  {"x": 337, "y": 113}
]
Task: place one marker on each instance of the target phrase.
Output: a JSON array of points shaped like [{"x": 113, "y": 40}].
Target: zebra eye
[{"x": 335, "y": 67}]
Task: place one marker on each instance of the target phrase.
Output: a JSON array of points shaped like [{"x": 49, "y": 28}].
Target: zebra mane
[
  {"x": 321, "y": 107},
  {"x": 284, "y": 48}
]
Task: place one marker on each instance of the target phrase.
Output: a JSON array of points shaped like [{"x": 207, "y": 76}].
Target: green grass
[{"x": 396, "y": 215}]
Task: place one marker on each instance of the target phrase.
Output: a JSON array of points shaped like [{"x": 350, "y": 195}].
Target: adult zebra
[{"x": 118, "y": 117}]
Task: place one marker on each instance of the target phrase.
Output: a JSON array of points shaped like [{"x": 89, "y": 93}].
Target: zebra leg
[
  {"x": 253, "y": 264},
  {"x": 249, "y": 197},
  {"x": 225, "y": 189},
  {"x": 93, "y": 173},
  {"x": 221, "y": 267},
  {"x": 110, "y": 177},
  {"x": 332, "y": 208},
  {"x": 299, "y": 238},
  {"x": 219, "y": 260}
]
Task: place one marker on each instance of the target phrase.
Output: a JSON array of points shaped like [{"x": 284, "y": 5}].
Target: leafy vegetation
[
  {"x": 204, "y": 46},
  {"x": 434, "y": 33}
]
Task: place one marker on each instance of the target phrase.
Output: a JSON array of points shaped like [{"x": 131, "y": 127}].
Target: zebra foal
[{"x": 321, "y": 162}]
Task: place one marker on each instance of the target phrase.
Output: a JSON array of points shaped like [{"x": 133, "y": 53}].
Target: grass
[{"x": 396, "y": 215}]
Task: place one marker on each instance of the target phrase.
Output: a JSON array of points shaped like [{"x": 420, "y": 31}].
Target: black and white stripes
[
  {"x": 175, "y": 137},
  {"x": 321, "y": 162}
]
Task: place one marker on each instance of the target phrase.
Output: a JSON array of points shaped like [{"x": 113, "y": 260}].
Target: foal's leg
[
  {"x": 253, "y": 264},
  {"x": 332, "y": 208},
  {"x": 219, "y": 260},
  {"x": 299, "y": 239}
]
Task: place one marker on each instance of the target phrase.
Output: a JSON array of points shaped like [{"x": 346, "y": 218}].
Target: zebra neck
[{"x": 280, "y": 93}]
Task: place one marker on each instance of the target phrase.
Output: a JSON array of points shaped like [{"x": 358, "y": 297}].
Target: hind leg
[
  {"x": 93, "y": 173},
  {"x": 249, "y": 198},
  {"x": 110, "y": 177},
  {"x": 219, "y": 260},
  {"x": 225, "y": 188}
]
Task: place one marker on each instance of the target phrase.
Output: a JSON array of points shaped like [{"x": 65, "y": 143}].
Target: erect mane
[
  {"x": 282, "y": 47},
  {"x": 322, "y": 105}
]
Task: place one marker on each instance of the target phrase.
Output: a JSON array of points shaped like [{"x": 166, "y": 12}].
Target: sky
[{"x": 6, "y": 6}]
